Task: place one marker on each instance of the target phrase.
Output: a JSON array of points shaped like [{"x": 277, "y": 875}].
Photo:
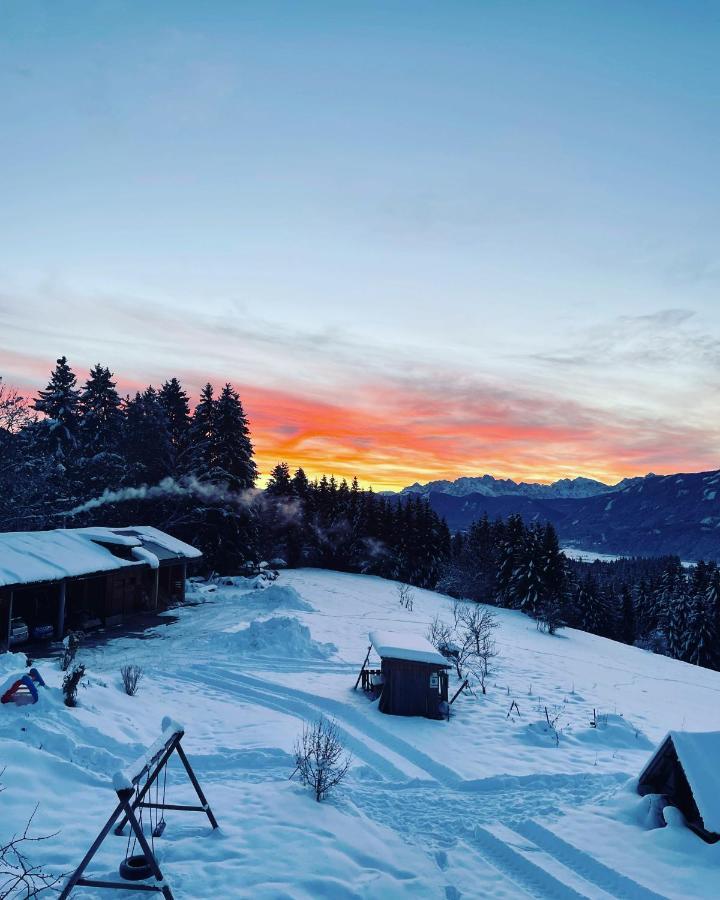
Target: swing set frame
[{"x": 132, "y": 798}]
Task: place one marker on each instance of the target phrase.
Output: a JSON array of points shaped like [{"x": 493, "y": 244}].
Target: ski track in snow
[
  {"x": 616, "y": 884},
  {"x": 448, "y": 819}
]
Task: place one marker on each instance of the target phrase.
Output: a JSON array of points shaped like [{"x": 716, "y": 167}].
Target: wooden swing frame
[{"x": 129, "y": 800}]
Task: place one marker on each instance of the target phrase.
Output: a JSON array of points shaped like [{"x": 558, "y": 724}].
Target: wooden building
[
  {"x": 412, "y": 679},
  {"x": 74, "y": 577},
  {"x": 685, "y": 769}
]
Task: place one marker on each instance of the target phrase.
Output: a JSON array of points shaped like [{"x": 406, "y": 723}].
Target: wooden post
[
  {"x": 5, "y": 642},
  {"x": 367, "y": 657},
  {"x": 461, "y": 688},
  {"x": 156, "y": 589},
  {"x": 60, "y": 623},
  {"x": 183, "y": 577}
]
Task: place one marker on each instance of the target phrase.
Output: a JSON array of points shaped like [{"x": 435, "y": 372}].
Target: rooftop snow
[
  {"x": 28, "y": 557},
  {"x": 396, "y": 645},
  {"x": 699, "y": 753},
  {"x": 147, "y": 533}
]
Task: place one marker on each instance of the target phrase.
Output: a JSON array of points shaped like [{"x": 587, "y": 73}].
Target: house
[
  {"x": 686, "y": 769},
  {"x": 69, "y": 576},
  {"x": 412, "y": 679}
]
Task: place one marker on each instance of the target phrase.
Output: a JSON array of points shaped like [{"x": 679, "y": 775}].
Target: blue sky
[{"x": 509, "y": 200}]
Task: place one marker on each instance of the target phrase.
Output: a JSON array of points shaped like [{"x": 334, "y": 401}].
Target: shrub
[
  {"x": 70, "y": 685},
  {"x": 71, "y": 645},
  {"x": 131, "y": 675},
  {"x": 320, "y": 758}
]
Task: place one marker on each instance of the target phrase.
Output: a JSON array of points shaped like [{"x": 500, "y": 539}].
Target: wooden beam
[{"x": 362, "y": 668}]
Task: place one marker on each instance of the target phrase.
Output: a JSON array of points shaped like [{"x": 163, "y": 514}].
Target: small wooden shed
[
  {"x": 686, "y": 769},
  {"x": 413, "y": 678}
]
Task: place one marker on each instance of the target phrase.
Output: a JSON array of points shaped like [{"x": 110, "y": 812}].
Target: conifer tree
[
  {"x": 59, "y": 403},
  {"x": 231, "y": 451},
  {"x": 627, "y": 624},
  {"x": 101, "y": 414},
  {"x": 146, "y": 444},
  {"x": 201, "y": 431},
  {"x": 280, "y": 484},
  {"x": 174, "y": 401}
]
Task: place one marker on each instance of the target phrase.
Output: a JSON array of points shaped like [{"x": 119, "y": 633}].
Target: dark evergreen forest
[{"x": 80, "y": 454}]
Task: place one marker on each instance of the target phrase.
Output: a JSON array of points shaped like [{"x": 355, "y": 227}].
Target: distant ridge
[
  {"x": 488, "y": 486},
  {"x": 651, "y": 516}
]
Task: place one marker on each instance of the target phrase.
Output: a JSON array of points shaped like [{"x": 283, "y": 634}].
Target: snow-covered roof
[
  {"x": 699, "y": 756},
  {"x": 28, "y": 557},
  {"x": 401, "y": 645}
]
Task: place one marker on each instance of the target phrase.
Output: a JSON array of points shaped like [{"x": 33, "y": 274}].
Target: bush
[
  {"x": 71, "y": 645},
  {"x": 70, "y": 685},
  {"x": 131, "y": 675},
  {"x": 320, "y": 757}
]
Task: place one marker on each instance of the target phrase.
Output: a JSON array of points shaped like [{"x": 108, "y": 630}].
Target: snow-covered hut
[
  {"x": 686, "y": 770},
  {"x": 70, "y": 577},
  {"x": 413, "y": 679}
]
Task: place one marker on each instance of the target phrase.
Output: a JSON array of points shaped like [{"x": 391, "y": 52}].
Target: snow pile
[
  {"x": 279, "y": 596},
  {"x": 281, "y": 637}
]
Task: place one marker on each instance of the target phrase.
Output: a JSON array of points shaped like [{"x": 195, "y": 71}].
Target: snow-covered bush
[
  {"x": 131, "y": 676},
  {"x": 70, "y": 685},
  {"x": 71, "y": 645},
  {"x": 320, "y": 758}
]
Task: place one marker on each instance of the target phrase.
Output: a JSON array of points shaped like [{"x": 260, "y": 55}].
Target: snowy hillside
[{"x": 486, "y": 805}]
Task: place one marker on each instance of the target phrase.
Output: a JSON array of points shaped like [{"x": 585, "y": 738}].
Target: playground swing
[{"x": 132, "y": 788}]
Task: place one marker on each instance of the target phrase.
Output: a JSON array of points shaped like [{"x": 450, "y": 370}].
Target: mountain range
[
  {"x": 650, "y": 516},
  {"x": 502, "y": 487}
]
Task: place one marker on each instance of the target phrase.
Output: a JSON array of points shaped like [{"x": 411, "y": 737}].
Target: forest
[{"x": 80, "y": 454}]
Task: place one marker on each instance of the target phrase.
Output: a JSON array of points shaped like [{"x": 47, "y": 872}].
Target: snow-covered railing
[{"x": 127, "y": 778}]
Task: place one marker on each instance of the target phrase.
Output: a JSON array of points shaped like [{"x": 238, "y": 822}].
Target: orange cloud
[{"x": 397, "y": 430}]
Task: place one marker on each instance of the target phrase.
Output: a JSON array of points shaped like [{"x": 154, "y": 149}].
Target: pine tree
[
  {"x": 700, "y": 639},
  {"x": 300, "y": 483},
  {"x": 231, "y": 450},
  {"x": 146, "y": 444},
  {"x": 101, "y": 415},
  {"x": 627, "y": 625},
  {"x": 59, "y": 403},
  {"x": 174, "y": 401},
  {"x": 280, "y": 484},
  {"x": 201, "y": 431},
  {"x": 674, "y": 604}
]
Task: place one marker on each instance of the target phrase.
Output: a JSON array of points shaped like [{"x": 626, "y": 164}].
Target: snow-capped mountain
[
  {"x": 489, "y": 486},
  {"x": 651, "y": 516}
]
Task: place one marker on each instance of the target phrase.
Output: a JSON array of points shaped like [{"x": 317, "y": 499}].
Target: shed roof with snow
[
  {"x": 30, "y": 557},
  {"x": 402, "y": 645},
  {"x": 697, "y": 754}
]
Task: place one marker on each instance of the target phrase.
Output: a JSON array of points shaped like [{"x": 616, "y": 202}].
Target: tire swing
[
  {"x": 136, "y": 866},
  {"x": 133, "y": 787}
]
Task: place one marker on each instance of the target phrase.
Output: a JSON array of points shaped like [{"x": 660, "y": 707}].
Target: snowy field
[{"x": 487, "y": 805}]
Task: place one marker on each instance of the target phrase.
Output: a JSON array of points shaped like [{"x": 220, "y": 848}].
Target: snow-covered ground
[{"x": 486, "y": 805}]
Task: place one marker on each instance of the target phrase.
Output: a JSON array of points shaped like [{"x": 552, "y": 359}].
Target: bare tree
[
  {"x": 14, "y": 412},
  {"x": 440, "y": 636},
  {"x": 478, "y": 624},
  {"x": 19, "y": 877},
  {"x": 406, "y": 596},
  {"x": 320, "y": 758},
  {"x": 131, "y": 676}
]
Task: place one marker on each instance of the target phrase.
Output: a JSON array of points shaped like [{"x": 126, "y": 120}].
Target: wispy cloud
[{"x": 328, "y": 401}]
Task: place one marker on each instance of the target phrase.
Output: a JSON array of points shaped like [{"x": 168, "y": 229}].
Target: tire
[{"x": 135, "y": 868}]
